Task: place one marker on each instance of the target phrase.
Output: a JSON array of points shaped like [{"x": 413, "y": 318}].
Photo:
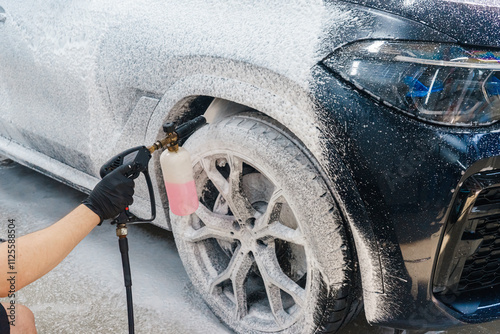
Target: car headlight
[{"x": 440, "y": 83}]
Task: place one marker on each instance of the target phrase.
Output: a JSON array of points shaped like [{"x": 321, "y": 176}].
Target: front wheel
[{"x": 267, "y": 248}]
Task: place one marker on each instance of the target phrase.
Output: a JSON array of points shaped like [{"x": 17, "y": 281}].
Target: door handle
[{"x": 3, "y": 16}]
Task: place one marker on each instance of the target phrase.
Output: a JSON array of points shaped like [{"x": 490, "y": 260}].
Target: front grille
[
  {"x": 482, "y": 268},
  {"x": 467, "y": 275}
]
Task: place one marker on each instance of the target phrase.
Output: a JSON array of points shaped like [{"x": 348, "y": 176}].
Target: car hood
[{"x": 475, "y": 22}]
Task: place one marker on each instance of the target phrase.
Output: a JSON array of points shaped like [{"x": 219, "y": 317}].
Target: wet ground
[{"x": 85, "y": 293}]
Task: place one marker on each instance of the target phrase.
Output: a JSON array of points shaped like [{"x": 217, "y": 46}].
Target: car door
[{"x": 49, "y": 100}]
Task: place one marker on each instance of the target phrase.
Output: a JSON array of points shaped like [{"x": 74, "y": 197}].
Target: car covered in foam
[{"x": 353, "y": 162}]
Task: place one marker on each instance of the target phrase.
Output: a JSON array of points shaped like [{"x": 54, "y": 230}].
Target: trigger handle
[{"x": 128, "y": 171}]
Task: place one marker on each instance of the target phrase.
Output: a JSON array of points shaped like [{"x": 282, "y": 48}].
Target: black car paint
[
  {"x": 406, "y": 170},
  {"x": 468, "y": 23}
]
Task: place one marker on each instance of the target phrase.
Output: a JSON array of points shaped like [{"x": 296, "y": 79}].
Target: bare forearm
[{"x": 39, "y": 252}]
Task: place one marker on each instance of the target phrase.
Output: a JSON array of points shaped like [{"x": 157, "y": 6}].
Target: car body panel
[
  {"x": 473, "y": 22},
  {"x": 411, "y": 170}
]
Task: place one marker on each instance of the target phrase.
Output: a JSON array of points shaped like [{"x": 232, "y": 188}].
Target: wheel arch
[{"x": 233, "y": 96}]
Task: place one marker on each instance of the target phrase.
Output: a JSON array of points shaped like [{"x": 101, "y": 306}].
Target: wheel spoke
[
  {"x": 237, "y": 271},
  {"x": 273, "y": 210},
  {"x": 215, "y": 220},
  {"x": 238, "y": 278},
  {"x": 239, "y": 203},
  {"x": 279, "y": 231},
  {"x": 216, "y": 226},
  {"x": 216, "y": 177},
  {"x": 230, "y": 189},
  {"x": 207, "y": 233},
  {"x": 275, "y": 301},
  {"x": 236, "y": 170},
  {"x": 271, "y": 271}
]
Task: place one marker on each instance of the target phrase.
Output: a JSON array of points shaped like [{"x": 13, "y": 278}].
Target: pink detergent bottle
[{"x": 178, "y": 177}]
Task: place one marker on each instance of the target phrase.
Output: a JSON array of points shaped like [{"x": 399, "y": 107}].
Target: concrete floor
[{"x": 85, "y": 293}]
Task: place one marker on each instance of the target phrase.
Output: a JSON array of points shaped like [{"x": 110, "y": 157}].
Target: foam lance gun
[
  {"x": 175, "y": 165},
  {"x": 177, "y": 173}
]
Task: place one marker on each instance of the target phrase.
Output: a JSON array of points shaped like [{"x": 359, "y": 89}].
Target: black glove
[{"x": 111, "y": 195}]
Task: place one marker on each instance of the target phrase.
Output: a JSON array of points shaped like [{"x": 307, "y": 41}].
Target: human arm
[{"x": 39, "y": 252}]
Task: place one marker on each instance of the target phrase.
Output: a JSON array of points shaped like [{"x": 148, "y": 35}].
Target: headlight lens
[{"x": 441, "y": 83}]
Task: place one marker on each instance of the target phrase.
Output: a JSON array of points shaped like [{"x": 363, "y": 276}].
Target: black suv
[{"x": 354, "y": 160}]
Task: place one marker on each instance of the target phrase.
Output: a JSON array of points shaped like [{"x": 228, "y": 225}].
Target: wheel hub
[{"x": 247, "y": 237}]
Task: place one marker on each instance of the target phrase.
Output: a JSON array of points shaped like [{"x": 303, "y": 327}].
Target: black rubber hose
[{"x": 123, "y": 243}]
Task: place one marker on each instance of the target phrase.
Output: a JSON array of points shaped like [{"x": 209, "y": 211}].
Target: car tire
[{"x": 267, "y": 249}]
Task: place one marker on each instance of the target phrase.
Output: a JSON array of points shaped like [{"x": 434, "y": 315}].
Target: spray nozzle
[{"x": 187, "y": 129}]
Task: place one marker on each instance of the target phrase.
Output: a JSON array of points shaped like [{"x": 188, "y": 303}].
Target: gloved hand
[{"x": 111, "y": 195}]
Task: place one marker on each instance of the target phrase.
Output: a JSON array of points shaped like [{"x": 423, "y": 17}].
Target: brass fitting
[
  {"x": 170, "y": 141},
  {"x": 121, "y": 231}
]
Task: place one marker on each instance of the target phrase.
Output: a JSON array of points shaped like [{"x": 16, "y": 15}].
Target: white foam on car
[{"x": 92, "y": 56}]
